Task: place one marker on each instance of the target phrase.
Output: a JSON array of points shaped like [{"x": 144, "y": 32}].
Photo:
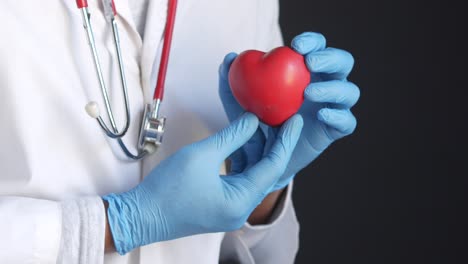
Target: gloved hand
[
  {"x": 185, "y": 195},
  {"x": 326, "y": 109}
]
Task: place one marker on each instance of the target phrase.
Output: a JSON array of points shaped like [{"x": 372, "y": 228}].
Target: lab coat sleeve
[
  {"x": 30, "y": 230},
  {"x": 273, "y": 243},
  {"x": 83, "y": 231}
]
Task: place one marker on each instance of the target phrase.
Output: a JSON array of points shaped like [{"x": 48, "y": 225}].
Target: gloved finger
[
  {"x": 272, "y": 134},
  {"x": 255, "y": 146},
  {"x": 343, "y": 93},
  {"x": 335, "y": 62},
  {"x": 250, "y": 153},
  {"x": 238, "y": 161},
  {"x": 308, "y": 42},
  {"x": 283, "y": 182},
  {"x": 271, "y": 138},
  {"x": 231, "y": 138},
  {"x": 340, "y": 119},
  {"x": 263, "y": 175},
  {"x": 230, "y": 104},
  {"x": 226, "y": 64}
]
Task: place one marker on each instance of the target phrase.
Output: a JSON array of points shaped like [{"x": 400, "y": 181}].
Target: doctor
[{"x": 68, "y": 196}]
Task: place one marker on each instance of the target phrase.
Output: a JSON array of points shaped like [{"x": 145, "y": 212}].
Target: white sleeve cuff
[
  {"x": 283, "y": 214},
  {"x": 275, "y": 243},
  {"x": 83, "y": 231}
]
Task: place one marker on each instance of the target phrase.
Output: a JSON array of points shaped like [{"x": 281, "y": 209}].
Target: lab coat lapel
[{"x": 125, "y": 15}]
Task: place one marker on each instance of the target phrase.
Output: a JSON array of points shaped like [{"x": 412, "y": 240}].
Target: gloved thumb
[
  {"x": 231, "y": 138},
  {"x": 230, "y": 104}
]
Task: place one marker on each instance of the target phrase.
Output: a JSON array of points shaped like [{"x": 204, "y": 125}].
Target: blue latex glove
[
  {"x": 185, "y": 195},
  {"x": 326, "y": 109}
]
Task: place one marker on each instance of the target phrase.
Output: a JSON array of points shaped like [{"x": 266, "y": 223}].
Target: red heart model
[{"x": 270, "y": 85}]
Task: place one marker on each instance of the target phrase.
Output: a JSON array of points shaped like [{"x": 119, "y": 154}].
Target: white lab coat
[{"x": 52, "y": 151}]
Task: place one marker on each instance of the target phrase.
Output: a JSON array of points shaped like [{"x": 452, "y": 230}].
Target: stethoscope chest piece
[{"x": 152, "y": 129}]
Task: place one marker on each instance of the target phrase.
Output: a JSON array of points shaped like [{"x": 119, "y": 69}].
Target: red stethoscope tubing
[
  {"x": 170, "y": 21},
  {"x": 81, "y": 3},
  {"x": 171, "y": 14}
]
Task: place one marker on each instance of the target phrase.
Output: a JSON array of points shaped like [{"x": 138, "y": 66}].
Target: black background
[{"x": 394, "y": 191}]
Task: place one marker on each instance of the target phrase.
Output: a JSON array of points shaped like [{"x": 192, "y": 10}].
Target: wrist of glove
[{"x": 185, "y": 195}]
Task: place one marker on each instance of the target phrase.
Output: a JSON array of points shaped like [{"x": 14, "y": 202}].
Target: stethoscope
[{"x": 152, "y": 125}]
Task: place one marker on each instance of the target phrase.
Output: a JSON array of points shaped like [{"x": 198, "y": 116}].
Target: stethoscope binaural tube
[{"x": 152, "y": 126}]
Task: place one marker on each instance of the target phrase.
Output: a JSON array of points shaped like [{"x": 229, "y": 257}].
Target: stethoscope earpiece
[{"x": 92, "y": 109}]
